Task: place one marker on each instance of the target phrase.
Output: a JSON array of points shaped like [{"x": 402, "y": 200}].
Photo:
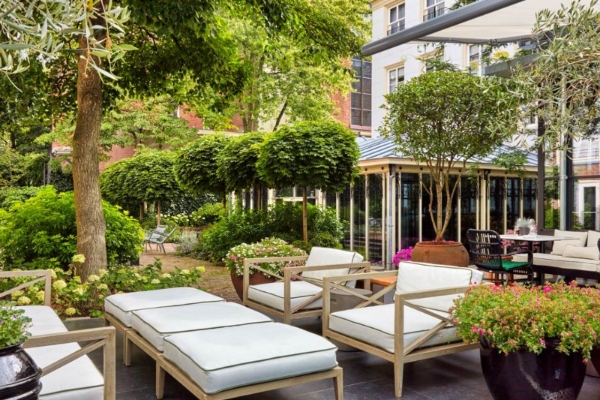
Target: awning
[{"x": 485, "y": 21}]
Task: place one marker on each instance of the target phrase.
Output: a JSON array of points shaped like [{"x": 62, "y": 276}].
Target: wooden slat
[{"x": 72, "y": 357}]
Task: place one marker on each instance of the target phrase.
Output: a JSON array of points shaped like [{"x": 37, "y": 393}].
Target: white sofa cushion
[
  {"x": 326, "y": 256},
  {"x": 248, "y": 354},
  {"x": 592, "y": 240},
  {"x": 415, "y": 277},
  {"x": 558, "y": 246},
  {"x": 375, "y": 325},
  {"x": 271, "y": 294},
  {"x": 589, "y": 253},
  {"x": 122, "y": 305},
  {"x": 552, "y": 260},
  {"x": 156, "y": 323}
]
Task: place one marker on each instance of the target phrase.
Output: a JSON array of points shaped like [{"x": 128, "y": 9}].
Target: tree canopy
[
  {"x": 323, "y": 155},
  {"x": 443, "y": 118},
  {"x": 237, "y": 161}
]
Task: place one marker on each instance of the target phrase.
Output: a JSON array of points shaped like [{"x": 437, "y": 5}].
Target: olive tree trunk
[{"x": 91, "y": 227}]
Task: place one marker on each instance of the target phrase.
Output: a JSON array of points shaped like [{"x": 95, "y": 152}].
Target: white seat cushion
[
  {"x": 271, "y": 294},
  {"x": 122, "y": 305},
  {"x": 558, "y": 247},
  {"x": 553, "y": 260},
  {"x": 325, "y": 256},
  {"x": 45, "y": 320},
  {"x": 248, "y": 354},
  {"x": 375, "y": 325},
  {"x": 156, "y": 323},
  {"x": 415, "y": 277}
]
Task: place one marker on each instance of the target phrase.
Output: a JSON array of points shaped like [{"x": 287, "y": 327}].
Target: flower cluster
[
  {"x": 402, "y": 255},
  {"x": 13, "y": 325},
  {"x": 515, "y": 317},
  {"x": 71, "y": 296},
  {"x": 268, "y": 247}
]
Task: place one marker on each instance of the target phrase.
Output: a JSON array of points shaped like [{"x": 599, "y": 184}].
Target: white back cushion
[
  {"x": 590, "y": 253},
  {"x": 325, "y": 256},
  {"x": 592, "y": 240},
  {"x": 415, "y": 277},
  {"x": 559, "y": 246}
]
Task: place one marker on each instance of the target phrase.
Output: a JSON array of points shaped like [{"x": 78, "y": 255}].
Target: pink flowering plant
[
  {"x": 268, "y": 247},
  {"x": 402, "y": 255},
  {"x": 517, "y": 317}
]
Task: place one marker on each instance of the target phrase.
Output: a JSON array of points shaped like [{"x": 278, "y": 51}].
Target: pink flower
[
  {"x": 542, "y": 342},
  {"x": 547, "y": 289}
]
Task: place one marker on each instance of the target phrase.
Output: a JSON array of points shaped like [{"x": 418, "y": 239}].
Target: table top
[{"x": 537, "y": 238}]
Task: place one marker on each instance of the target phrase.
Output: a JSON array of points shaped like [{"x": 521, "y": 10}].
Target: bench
[
  {"x": 67, "y": 371},
  {"x": 416, "y": 327},
  {"x": 243, "y": 352},
  {"x": 578, "y": 258}
]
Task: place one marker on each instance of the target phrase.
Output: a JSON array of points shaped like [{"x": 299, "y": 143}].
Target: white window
[
  {"x": 395, "y": 78},
  {"x": 397, "y": 19},
  {"x": 433, "y": 8},
  {"x": 475, "y": 59},
  {"x": 586, "y": 148}
]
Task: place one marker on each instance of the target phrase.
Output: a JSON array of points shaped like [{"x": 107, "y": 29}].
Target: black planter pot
[
  {"x": 19, "y": 376},
  {"x": 526, "y": 375}
]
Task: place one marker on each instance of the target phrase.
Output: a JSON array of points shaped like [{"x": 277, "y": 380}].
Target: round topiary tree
[
  {"x": 147, "y": 177},
  {"x": 323, "y": 155},
  {"x": 237, "y": 162},
  {"x": 196, "y": 166},
  {"x": 443, "y": 118},
  {"x": 40, "y": 232}
]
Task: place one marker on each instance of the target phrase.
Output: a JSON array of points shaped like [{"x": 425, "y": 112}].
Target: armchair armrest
[{"x": 43, "y": 275}]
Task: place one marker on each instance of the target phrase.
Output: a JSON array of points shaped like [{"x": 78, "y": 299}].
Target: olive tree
[
  {"x": 196, "y": 166},
  {"x": 323, "y": 155},
  {"x": 445, "y": 118}
]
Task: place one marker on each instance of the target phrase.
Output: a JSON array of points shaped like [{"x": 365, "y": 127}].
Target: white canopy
[{"x": 484, "y": 21}]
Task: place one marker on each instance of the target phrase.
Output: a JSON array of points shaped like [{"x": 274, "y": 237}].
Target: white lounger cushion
[
  {"x": 271, "y": 294},
  {"x": 243, "y": 355},
  {"x": 553, "y": 260},
  {"x": 415, "y": 277},
  {"x": 122, "y": 305},
  {"x": 154, "y": 324},
  {"x": 80, "y": 379},
  {"x": 375, "y": 325}
]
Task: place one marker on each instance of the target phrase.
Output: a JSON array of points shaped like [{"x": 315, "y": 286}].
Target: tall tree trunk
[
  {"x": 304, "y": 215},
  {"x": 91, "y": 227},
  {"x": 158, "y": 214}
]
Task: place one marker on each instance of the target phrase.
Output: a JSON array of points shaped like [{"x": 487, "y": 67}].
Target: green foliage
[
  {"x": 208, "y": 214},
  {"x": 16, "y": 194},
  {"x": 267, "y": 247},
  {"x": 283, "y": 221},
  {"x": 561, "y": 86},
  {"x": 323, "y": 155},
  {"x": 13, "y": 325},
  {"x": 237, "y": 161},
  {"x": 513, "y": 160},
  {"x": 41, "y": 231},
  {"x": 511, "y": 317},
  {"x": 72, "y": 297},
  {"x": 196, "y": 166},
  {"x": 443, "y": 118}
]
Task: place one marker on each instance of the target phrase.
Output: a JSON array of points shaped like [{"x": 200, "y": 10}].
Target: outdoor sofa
[
  {"x": 242, "y": 351},
  {"x": 577, "y": 258},
  {"x": 415, "y": 327},
  {"x": 298, "y": 294},
  {"x": 67, "y": 372}
]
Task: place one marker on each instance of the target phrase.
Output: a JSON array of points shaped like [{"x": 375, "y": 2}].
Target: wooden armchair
[
  {"x": 298, "y": 294},
  {"x": 416, "y": 327}
]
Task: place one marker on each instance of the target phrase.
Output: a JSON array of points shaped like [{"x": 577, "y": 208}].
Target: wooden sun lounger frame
[
  {"x": 99, "y": 337},
  {"x": 293, "y": 274},
  {"x": 402, "y": 354}
]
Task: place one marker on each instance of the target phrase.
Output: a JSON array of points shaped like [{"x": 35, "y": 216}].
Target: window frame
[
  {"x": 399, "y": 22},
  {"x": 431, "y": 12}
]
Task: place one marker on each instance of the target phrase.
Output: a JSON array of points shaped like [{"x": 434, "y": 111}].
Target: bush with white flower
[
  {"x": 268, "y": 247},
  {"x": 71, "y": 297},
  {"x": 14, "y": 325}
]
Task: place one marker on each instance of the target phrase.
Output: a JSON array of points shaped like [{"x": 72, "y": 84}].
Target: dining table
[{"x": 531, "y": 239}]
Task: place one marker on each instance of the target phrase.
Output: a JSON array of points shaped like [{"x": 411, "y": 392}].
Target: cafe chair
[{"x": 486, "y": 252}]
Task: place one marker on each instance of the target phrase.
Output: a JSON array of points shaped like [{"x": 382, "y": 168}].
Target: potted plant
[
  {"x": 267, "y": 247},
  {"x": 442, "y": 120},
  {"x": 19, "y": 377},
  {"x": 533, "y": 340}
]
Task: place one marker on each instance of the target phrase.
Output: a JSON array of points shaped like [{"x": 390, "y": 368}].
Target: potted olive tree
[{"x": 442, "y": 120}]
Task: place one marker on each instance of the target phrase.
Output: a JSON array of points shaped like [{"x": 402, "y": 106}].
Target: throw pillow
[
  {"x": 593, "y": 237},
  {"x": 560, "y": 245},
  {"x": 590, "y": 253}
]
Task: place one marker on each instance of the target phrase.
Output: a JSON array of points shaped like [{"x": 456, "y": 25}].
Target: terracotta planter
[
  {"x": 444, "y": 253},
  {"x": 19, "y": 376},
  {"x": 255, "y": 279},
  {"x": 526, "y": 375}
]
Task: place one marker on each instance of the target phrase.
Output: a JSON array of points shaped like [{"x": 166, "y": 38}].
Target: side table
[{"x": 343, "y": 301}]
